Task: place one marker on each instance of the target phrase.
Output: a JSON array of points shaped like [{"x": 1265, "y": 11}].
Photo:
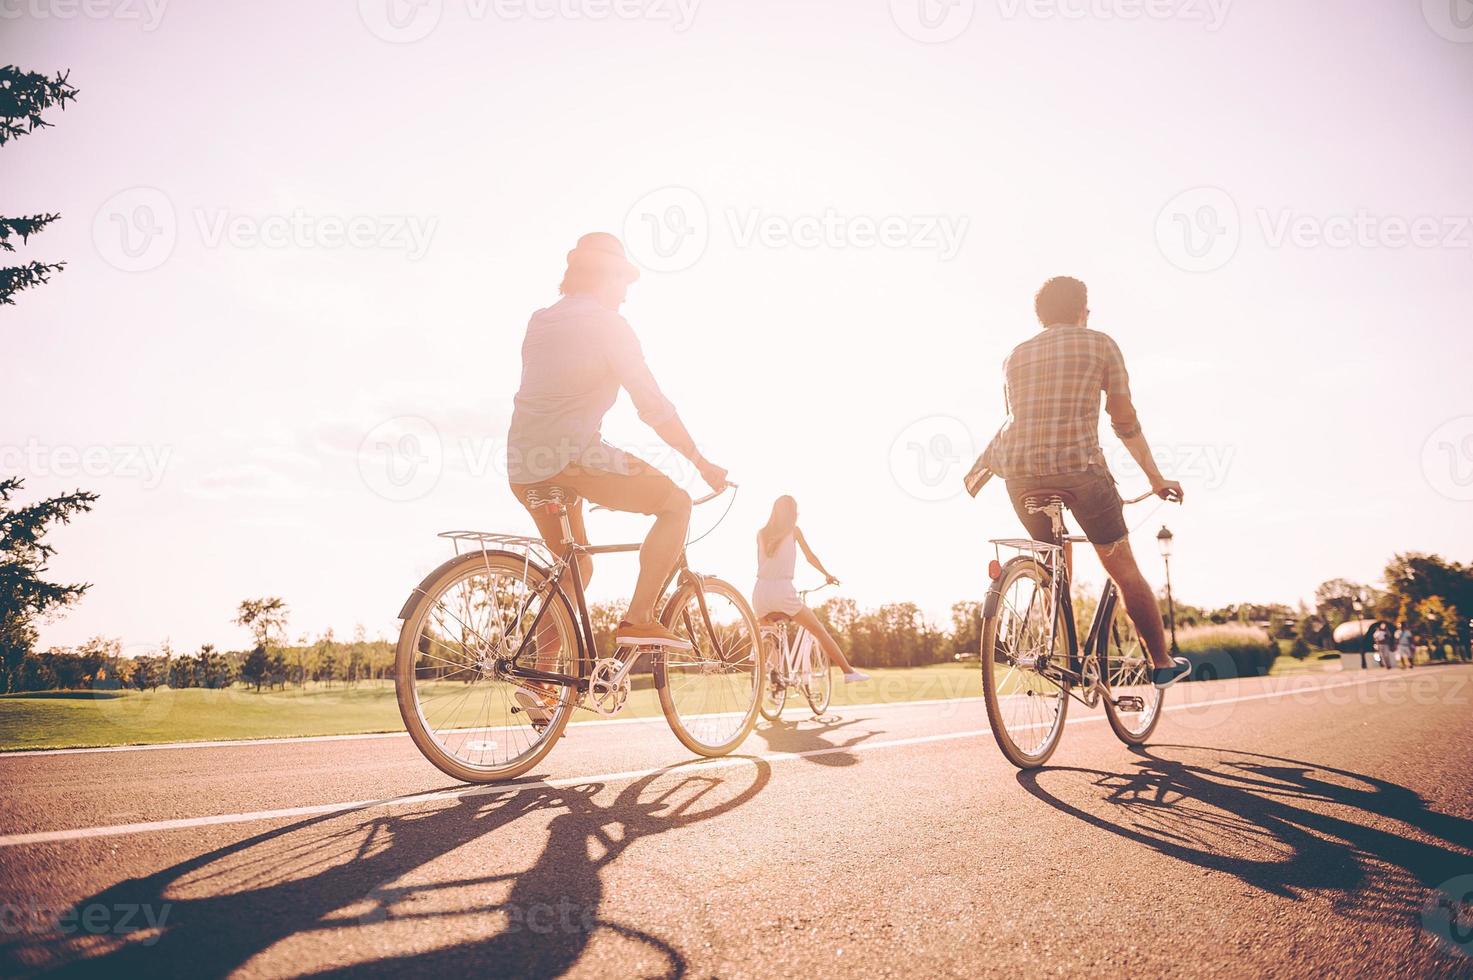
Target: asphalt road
[{"x": 1274, "y": 827}]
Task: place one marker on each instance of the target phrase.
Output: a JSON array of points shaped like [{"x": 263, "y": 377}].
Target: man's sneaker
[
  {"x": 537, "y": 709},
  {"x": 1164, "y": 677},
  {"x": 855, "y": 676},
  {"x": 649, "y": 635}
]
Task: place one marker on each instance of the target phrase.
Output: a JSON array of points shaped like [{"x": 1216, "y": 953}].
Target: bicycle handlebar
[
  {"x": 816, "y": 588},
  {"x": 713, "y": 494},
  {"x": 1173, "y": 498}
]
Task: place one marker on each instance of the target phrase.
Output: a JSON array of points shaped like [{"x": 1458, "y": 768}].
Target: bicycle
[
  {"x": 494, "y": 655},
  {"x": 1032, "y": 660},
  {"x": 801, "y": 662}
]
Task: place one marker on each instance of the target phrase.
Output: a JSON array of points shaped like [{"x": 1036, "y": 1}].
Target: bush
[
  {"x": 1228, "y": 650},
  {"x": 1300, "y": 649}
]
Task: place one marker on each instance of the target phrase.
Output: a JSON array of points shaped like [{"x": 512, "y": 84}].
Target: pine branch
[
  {"x": 24, "y": 227},
  {"x": 13, "y": 279},
  {"x": 24, "y": 95}
]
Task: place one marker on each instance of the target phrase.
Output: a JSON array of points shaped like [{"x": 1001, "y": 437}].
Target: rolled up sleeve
[
  {"x": 626, "y": 358},
  {"x": 1116, "y": 384}
]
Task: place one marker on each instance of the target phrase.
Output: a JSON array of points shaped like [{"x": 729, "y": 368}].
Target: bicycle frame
[
  {"x": 1077, "y": 683},
  {"x": 795, "y": 659},
  {"x": 588, "y": 653}
]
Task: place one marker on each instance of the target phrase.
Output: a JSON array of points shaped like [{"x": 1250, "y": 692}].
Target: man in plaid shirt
[{"x": 1052, "y": 384}]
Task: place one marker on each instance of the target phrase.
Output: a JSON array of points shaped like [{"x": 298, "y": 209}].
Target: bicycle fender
[{"x": 989, "y": 607}]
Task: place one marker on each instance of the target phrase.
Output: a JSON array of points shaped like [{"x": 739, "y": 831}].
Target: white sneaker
[{"x": 855, "y": 677}]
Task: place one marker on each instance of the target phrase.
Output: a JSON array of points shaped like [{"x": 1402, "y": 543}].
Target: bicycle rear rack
[{"x": 488, "y": 541}]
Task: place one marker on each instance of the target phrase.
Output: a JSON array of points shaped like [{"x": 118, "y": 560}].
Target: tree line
[{"x": 1424, "y": 593}]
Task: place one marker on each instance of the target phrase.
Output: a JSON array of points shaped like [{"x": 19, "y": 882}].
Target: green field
[{"x": 60, "y": 719}]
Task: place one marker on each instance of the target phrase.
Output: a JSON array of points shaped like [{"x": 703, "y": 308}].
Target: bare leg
[
  {"x": 1140, "y": 601},
  {"x": 657, "y": 558},
  {"x": 806, "y": 619},
  {"x": 549, "y": 642}
]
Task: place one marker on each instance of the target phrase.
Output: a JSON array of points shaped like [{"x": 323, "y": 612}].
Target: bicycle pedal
[{"x": 1130, "y": 702}]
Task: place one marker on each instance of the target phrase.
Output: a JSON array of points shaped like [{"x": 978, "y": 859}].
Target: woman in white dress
[{"x": 777, "y": 561}]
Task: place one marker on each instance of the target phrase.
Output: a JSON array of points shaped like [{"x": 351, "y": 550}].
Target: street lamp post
[
  {"x": 1357, "y": 605},
  {"x": 1163, "y": 539}
]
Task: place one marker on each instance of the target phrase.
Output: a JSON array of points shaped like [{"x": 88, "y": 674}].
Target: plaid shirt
[{"x": 1052, "y": 385}]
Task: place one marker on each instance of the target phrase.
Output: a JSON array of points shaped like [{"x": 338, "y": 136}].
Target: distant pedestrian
[
  {"x": 1405, "y": 647},
  {"x": 1383, "y": 645}
]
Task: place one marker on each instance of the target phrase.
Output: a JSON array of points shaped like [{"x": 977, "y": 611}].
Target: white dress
[{"x": 774, "y": 591}]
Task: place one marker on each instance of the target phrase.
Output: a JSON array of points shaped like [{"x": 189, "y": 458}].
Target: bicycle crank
[{"x": 608, "y": 686}]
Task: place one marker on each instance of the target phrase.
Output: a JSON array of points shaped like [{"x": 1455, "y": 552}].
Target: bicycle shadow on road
[
  {"x": 1285, "y": 826},
  {"x": 806, "y": 737},
  {"x": 366, "y": 881}
]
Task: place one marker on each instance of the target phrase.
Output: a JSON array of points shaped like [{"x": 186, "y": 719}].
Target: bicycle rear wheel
[
  {"x": 774, "y": 695},
  {"x": 818, "y": 686},
  {"x": 1025, "y": 705},
  {"x": 710, "y": 694},
  {"x": 1127, "y": 672},
  {"x": 461, "y": 627}
]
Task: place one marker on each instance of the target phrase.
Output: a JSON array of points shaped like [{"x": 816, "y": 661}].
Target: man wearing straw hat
[{"x": 576, "y": 356}]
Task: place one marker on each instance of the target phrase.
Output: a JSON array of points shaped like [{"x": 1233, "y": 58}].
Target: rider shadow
[
  {"x": 810, "y": 742},
  {"x": 322, "y": 879},
  {"x": 1281, "y": 825}
]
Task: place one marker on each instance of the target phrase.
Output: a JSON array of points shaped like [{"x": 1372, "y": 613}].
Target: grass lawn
[
  {"x": 1312, "y": 664},
  {"x": 62, "y": 719}
]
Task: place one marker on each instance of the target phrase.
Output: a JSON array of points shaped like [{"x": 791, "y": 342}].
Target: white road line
[
  {"x": 309, "y": 739},
  {"x": 512, "y": 789}
]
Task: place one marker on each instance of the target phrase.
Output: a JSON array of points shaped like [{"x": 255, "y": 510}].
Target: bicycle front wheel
[
  {"x": 1127, "y": 672},
  {"x": 818, "y": 686},
  {"x": 1021, "y": 660},
  {"x": 461, "y": 628},
  {"x": 710, "y": 694}
]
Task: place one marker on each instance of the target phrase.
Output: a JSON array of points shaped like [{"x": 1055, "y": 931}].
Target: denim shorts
[{"x": 1096, "y": 505}]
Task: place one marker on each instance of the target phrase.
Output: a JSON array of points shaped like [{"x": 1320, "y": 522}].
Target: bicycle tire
[
  {"x": 411, "y": 648},
  {"x": 1002, "y": 616}
]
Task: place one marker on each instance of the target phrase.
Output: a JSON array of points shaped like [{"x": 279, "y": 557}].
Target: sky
[{"x": 303, "y": 241}]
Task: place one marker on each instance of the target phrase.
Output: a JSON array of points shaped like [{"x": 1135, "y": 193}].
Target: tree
[
  {"x": 182, "y": 672},
  {"x": 1335, "y": 600},
  {"x": 1437, "y": 625},
  {"x": 265, "y": 618},
  {"x": 966, "y": 627},
  {"x": 24, "y": 595},
  {"x": 97, "y": 661},
  {"x": 212, "y": 669},
  {"x": 279, "y": 670},
  {"x": 149, "y": 672},
  {"x": 1313, "y": 631},
  {"x": 257, "y": 668},
  {"x": 24, "y": 96}
]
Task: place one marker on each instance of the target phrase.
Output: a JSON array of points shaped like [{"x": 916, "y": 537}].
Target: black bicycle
[
  {"x": 1032, "y": 658},
  {"x": 494, "y": 655}
]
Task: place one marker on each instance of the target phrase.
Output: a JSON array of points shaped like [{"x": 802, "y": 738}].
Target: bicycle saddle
[
  {"x": 1038, "y": 500},
  {"x": 777, "y": 617},
  {"x": 550, "y": 495}
]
